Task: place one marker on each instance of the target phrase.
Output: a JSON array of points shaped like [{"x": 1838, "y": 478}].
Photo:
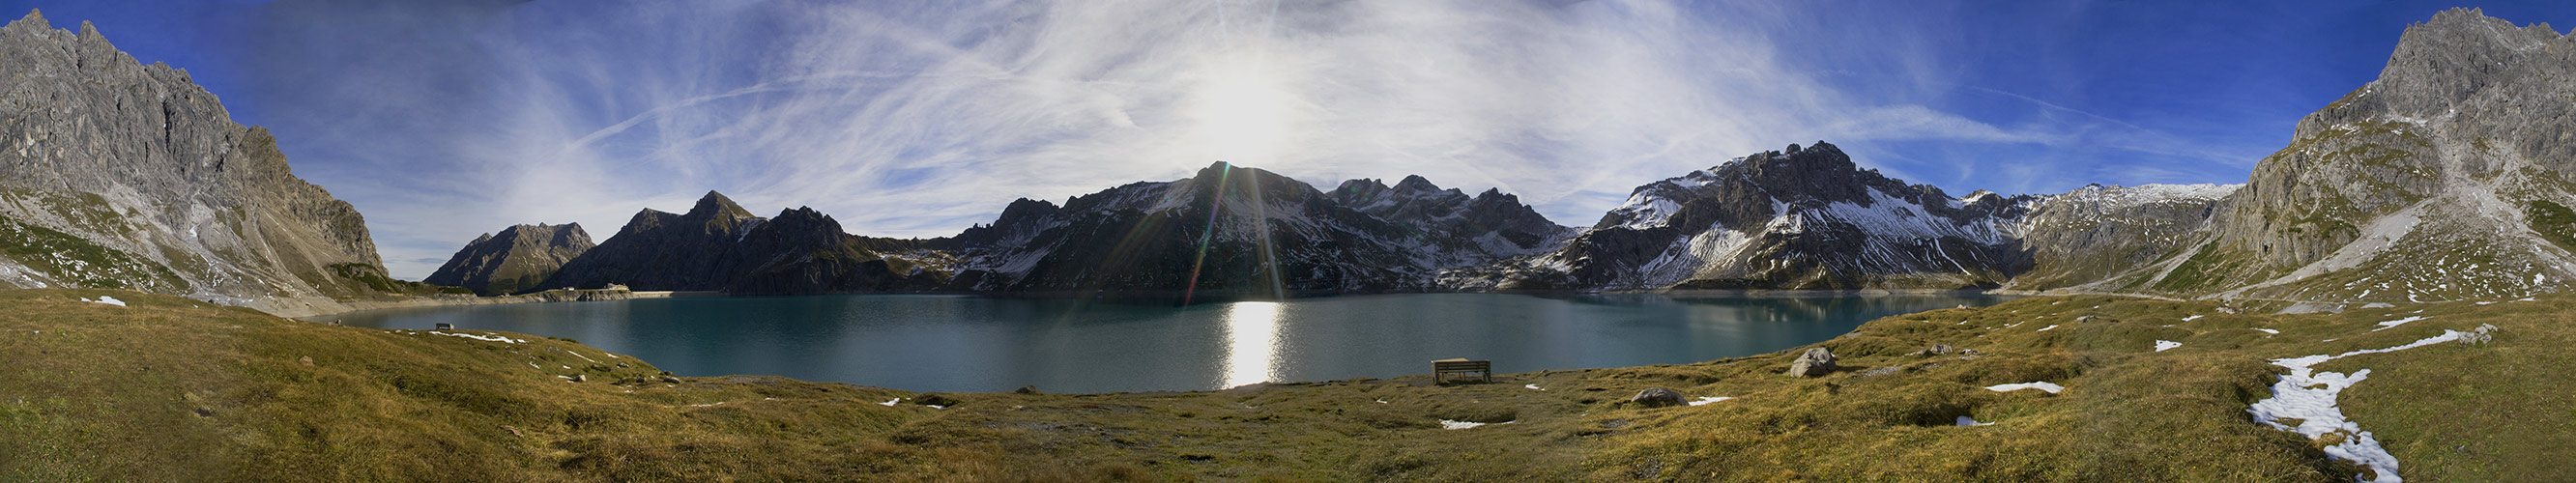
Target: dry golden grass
[{"x": 171, "y": 389}]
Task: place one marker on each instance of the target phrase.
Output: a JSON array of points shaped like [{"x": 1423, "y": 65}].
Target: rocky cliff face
[
  {"x": 2446, "y": 178},
  {"x": 512, "y": 260},
  {"x": 718, "y": 245},
  {"x": 117, "y": 174}
]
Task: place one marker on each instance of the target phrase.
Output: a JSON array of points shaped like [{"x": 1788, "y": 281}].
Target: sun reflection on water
[{"x": 1252, "y": 342}]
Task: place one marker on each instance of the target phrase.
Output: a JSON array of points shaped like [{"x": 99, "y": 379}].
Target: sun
[{"x": 1241, "y": 113}]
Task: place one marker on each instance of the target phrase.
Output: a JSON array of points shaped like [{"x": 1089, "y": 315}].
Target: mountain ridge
[{"x": 1230, "y": 232}]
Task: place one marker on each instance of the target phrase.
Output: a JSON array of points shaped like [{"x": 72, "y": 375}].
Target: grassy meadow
[{"x": 170, "y": 389}]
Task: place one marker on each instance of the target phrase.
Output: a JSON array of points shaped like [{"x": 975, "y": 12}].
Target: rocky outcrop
[
  {"x": 1656, "y": 397},
  {"x": 118, "y": 174},
  {"x": 513, "y": 260},
  {"x": 1815, "y": 362}
]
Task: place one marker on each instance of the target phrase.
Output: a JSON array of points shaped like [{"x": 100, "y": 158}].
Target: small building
[{"x": 446, "y": 326}]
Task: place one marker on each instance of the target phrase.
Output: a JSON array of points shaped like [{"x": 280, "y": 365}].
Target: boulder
[
  {"x": 1026, "y": 390},
  {"x": 580, "y": 377},
  {"x": 1882, "y": 371},
  {"x": 1935, "y": 350},
  {"x": 934, "y": 399},
  {"x": 1816, "y": 362},
  {"x": 306, "y": 360},
  {"x": 670, "y": 380},
  {"x": 1657, "y": 397}
]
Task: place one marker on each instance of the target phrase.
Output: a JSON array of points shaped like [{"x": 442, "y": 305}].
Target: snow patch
[
  {"x": 2166, "y": 345},
  {"x": 2192, "y": 318},
  {"x": 102, "y": 299},
  {"x": 1645, "y": 210},
  {"x": 2040, "y": 385},
  {"x": 2309, "y": 397},
  {"x": 1709, "y": 399},
  {"x": 2045, "y": 329},
  {"x": 1533, "y": 387},
  {"x": 1447, "y": 424},
  {"x": 2394, "y": 323},
  {"x": 2268, "y": 331},
  {"x": 493, "y": 338},
  {"x": 1968, "y": 421}
]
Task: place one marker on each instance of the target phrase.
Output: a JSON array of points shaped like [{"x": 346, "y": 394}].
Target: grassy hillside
[{"x": 171, "y": 389}]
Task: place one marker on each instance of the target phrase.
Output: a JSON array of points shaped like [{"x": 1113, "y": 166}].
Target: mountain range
[
  {"x": 2445, "y": 178},
  {"x": 1801, "y": 218}
]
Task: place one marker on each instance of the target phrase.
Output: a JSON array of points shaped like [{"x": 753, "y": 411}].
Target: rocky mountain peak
[
  {"x": 2443, "y": 64},
  {"x": 514, "y": 259},
  {"x": 570, "y": 234},
  {"x": 35, "y": 20},
  {"x": 564, "y": 235},
  {"x": 1820, "y": 171},
  {"x": 714, "y": 204},
  {"x": 1213, "y": 171},
  {"x": 1416, "y": 184},
  {"x": 1021, "y": 218},
  {"x": 804, "y": 215}
]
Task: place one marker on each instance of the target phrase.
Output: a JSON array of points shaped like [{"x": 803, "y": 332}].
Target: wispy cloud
[{"x": 919, "y": 118}]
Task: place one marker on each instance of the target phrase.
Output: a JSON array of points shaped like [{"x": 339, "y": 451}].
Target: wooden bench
[{"x": 1483, "y": 369}]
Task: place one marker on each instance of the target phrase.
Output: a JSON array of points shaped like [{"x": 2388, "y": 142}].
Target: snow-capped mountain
[{"x": 1801, "y": 218}]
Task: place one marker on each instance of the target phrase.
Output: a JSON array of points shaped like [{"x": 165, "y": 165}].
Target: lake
[{"x": 966, "y": 343}]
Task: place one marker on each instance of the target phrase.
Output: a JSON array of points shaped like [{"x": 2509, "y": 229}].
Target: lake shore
[{"x": 308, "y": 309}]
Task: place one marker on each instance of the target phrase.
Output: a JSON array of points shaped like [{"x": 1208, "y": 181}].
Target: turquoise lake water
[{"x": 965, "y": 343}]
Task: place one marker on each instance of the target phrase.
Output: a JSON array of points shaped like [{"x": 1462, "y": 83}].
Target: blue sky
[{"x": 445, "y": 119}]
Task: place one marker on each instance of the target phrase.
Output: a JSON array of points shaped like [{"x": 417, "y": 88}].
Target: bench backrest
[{"x": 1462, "y": 366}]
